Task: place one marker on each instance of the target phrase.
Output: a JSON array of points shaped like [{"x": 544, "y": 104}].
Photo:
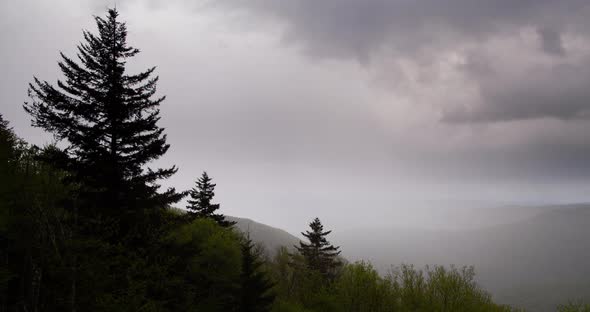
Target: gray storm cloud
[
  {"x": 357, "y": 28},
  {"x": 555, "y": 91},
  {"x": 551, "y": 41},
  {"x": 363, "y": 29}
]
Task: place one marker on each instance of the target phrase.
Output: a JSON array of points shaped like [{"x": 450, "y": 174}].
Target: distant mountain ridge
[
  {"x": 540, "y": 259},
  {"x": 535, "y": 262},
  {"x": 270, "y": 238}
]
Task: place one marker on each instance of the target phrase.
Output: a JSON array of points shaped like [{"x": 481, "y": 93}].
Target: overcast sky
[{"x": 339, "y": 108}]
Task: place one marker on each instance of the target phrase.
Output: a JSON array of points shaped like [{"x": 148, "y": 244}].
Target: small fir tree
[
  {"x": 200, "y": 203},
  {"x": 319, "y": 254}
]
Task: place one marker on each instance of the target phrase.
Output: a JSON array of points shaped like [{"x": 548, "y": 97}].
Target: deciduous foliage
[
  {"x": 440, "y": 289},
  {"x": 360, "y": 288},
  {"x": 574, "y": 307}
]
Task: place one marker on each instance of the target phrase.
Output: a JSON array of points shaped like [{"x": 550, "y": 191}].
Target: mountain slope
[
  {"x": 534, "y": 263},
  {"x": 267, "y": 236}
]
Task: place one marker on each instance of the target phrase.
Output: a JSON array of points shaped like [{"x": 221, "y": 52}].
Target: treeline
[{"x": 85, "y": 226}]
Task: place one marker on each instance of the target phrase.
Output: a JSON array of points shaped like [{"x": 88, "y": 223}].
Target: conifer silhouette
[
  {"x": 319, "y": 254},
  {"x": 108, "y": 119},
  {"x": 200, "y": 205},
  {"x": 256, "y": 289}
]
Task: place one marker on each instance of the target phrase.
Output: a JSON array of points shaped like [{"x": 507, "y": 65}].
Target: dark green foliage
[
  {"x": 8, "y": 151},
  {"x": 256, "y": 289},
  {"x": 35, "y": 228},
  {"x": 200, "y": 205},
  {"x": 207, "y": 258},
  {"x": 109, "y": 120},
  {"x": 319, "y": 254}
]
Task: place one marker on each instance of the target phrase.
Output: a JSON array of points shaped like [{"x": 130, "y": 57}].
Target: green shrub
[
  {"x": 360, "y": 288},
  {"x": 574, "y": 307}
]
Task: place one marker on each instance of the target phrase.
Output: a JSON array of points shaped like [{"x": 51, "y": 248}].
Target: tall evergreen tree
[
  {"x": 319, "y": 254},
  {"x": 109, "y": 120},
  {"x": 256, "y": 289},
  {"x": 200, "y": 205}
]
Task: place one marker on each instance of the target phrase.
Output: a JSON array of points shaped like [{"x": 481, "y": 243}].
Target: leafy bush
[
  {"x": 360, "y": 288},
  {"x": 440, "y": 289},
  {"x": 574, "y": 307}
]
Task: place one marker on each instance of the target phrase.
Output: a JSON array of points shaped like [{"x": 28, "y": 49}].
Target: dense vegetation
[{"x": 85, "y": 227}]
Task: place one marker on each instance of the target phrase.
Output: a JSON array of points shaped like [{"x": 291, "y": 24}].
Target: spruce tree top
[
  {"x": 202, "y": 194},
  {"x": 319, "y": 253},
  {"x": 200, "y": 203},
  {"x": 107, "y": 117}
]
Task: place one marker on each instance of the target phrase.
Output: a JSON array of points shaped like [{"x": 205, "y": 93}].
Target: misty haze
[{"x": 312, "y": 156}]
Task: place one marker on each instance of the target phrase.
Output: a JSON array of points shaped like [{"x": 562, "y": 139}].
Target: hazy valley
[{"x": 536, "y": 261}]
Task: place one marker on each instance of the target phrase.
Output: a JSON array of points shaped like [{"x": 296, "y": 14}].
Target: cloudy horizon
[{"x": 307, "y": 108}]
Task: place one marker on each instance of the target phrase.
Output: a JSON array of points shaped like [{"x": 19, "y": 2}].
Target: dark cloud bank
[{"x": 359, "y": 29}]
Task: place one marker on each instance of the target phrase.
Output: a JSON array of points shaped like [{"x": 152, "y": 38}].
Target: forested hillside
[
  {"x": 85, "y": 225},
  {"x": 269, "y": 238}
]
